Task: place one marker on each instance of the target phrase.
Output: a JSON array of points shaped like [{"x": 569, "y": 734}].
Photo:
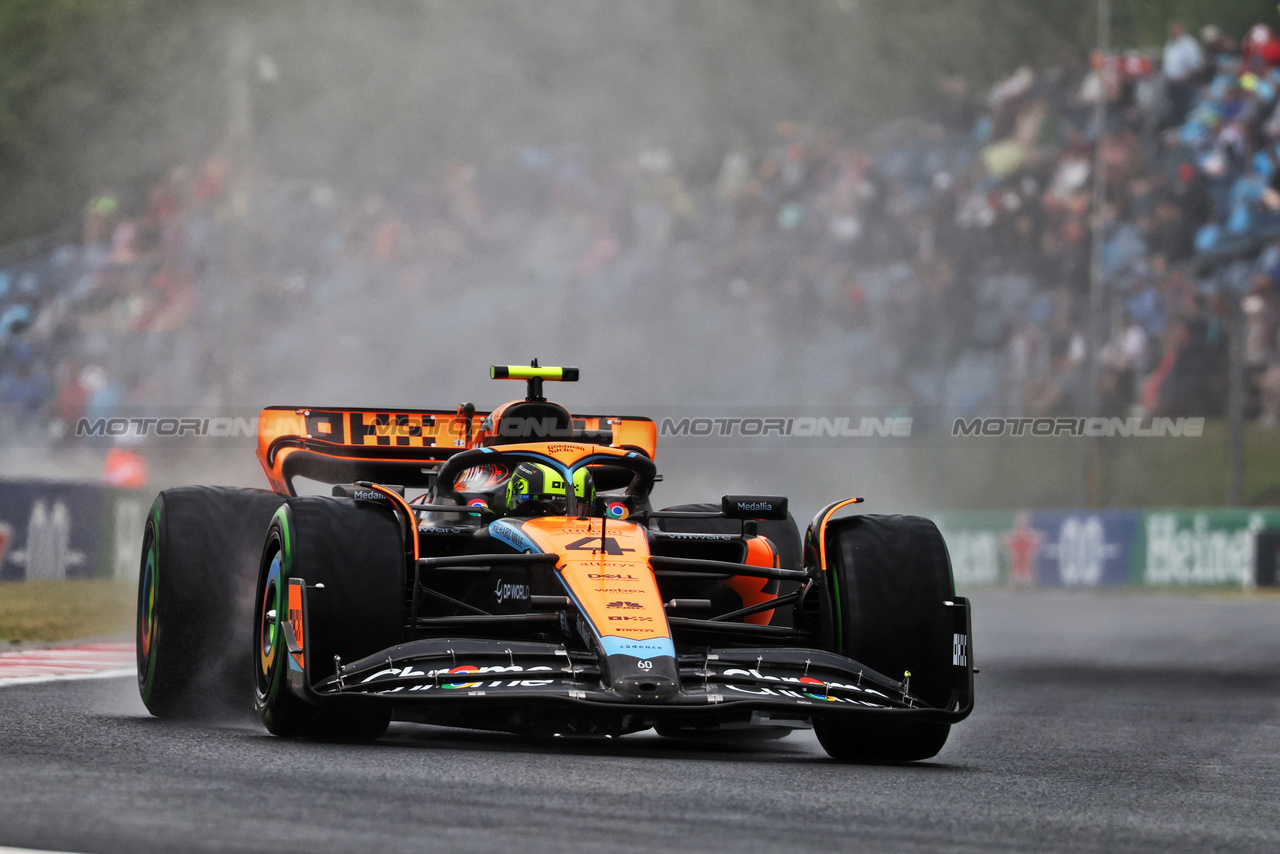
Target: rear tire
[
  {"x": 351, "y": 556},
  {"x": 889, "y": 577},
  {"x": 200, "y": 555}
]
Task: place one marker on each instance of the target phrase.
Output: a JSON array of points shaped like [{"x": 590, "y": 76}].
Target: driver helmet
[{"x": 536, "y": 489}]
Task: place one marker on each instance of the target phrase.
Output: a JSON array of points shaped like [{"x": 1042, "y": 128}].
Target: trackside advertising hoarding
[
  {"x": 980, "y": 547},
  {"x": 57, "y": 530},
  {"x": 1073, "y": 548},
  {"x": 54, "y": 530}
]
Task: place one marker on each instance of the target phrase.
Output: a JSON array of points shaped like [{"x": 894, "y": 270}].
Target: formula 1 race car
[{"x": 506, "y": 570}]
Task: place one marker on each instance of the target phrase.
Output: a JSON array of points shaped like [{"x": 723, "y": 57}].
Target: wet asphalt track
[{"x": 1105, "y": 723}]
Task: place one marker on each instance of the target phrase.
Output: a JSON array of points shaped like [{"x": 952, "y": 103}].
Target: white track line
[
  {"x": 4, "y": 850},
  {"x": 95, "y": 661}
]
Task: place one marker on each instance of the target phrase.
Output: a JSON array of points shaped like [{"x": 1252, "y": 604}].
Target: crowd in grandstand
[{"x": 952, "y": 255}]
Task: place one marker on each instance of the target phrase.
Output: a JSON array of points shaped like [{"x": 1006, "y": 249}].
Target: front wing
[{"x": 793, "y": 683}]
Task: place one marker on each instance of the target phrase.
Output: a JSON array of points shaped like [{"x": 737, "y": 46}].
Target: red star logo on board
[{"x": 1022, "y": 543}]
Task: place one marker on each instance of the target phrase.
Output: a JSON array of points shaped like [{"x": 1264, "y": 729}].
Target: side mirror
[{"x": 754, "y": 506}]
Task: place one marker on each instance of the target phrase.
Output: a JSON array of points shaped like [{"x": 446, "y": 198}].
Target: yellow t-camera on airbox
[{"x": 534, "y": 374}]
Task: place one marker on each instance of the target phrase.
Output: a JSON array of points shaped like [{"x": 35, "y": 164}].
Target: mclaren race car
[{"x": 507, "y": 570}]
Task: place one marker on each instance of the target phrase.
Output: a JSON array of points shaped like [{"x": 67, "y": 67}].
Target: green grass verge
[{"x": 65, "y": 610}]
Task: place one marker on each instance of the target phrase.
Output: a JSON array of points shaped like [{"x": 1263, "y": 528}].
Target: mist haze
[
  {"x": 327, "y": 119},
  {"x": 705, "y": 206}
]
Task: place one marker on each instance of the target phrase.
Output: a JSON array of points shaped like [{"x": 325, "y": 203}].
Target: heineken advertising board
[
  {"x": 1056, "y": 548},
  {"x": 1202, "y": 546}
]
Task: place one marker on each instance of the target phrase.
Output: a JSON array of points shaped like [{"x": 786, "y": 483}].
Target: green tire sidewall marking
[
  {"x": 839, "y": 608},
  {"x": 833, "y": 579},
  {"x": 276, "y": 678},
  {"x": 153, "y": 650},
  {"x": 286, "y": 550}
]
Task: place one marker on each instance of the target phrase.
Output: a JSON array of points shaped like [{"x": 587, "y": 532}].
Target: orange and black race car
[{"x": 507, "y": 570}]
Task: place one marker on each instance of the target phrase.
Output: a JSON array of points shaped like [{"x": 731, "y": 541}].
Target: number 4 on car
[{"x": 507, "y": 570}]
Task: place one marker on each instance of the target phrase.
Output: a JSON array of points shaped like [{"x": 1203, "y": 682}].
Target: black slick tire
[
  {"x": 889, "y": 578},
  {"x": 350, "y": 555},
  {"x": 195, "y": 591}
]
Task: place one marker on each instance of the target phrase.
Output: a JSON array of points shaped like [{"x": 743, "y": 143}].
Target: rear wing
[{"x": 401, "y": 446}]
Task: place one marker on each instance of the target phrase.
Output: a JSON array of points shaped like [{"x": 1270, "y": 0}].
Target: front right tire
[{"x": 200, "y": 554}]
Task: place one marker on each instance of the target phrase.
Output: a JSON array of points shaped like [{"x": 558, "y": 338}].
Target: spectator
[
  {"x": 1122, "y": 363},
  {"x": 1182, "y": 62},
  {"x": 24, "y": 388},
  {"x": 970, "y": 231},
  {"x": 1261, "y": 49}
]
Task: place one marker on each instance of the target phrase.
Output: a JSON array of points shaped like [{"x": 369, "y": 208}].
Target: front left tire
[
  {"x": 351, "y": 557},
  {"x": 889, "y": 581}
]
